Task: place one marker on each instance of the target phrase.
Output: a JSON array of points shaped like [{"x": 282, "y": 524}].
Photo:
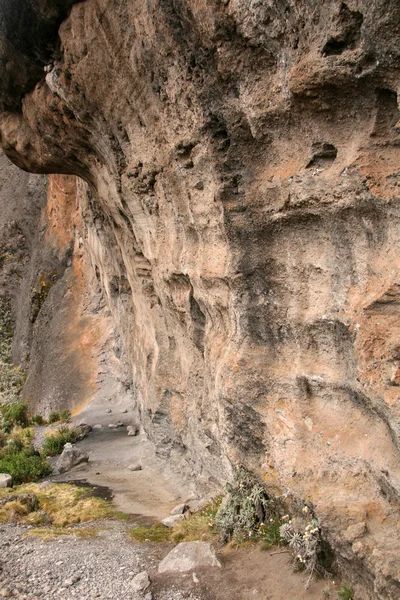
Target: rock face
[{"x": 237, "y": 234}]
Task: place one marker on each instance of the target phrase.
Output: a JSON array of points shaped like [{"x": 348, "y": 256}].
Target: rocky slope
[{"x": 237, "y": 230}]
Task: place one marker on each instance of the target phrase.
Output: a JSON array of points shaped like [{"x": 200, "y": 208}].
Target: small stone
[
  {"x": 108, "y": 411},
  {"x": 133, "y": 430},
  {"x": 113, "y": 426},
  {"x": 71, "y": 581},
  {"x": 135, "y": 467},
  {"x": 179, "y": 509},
  {"x": 140, "y": 582},
  {"x": 188, "y": 556},
  {"x": 195, "y": 578},
  {"x": 5, "y": 480},
  {"x": 148, "y": 596},
  {"x": 119, "y": 424},
  {"x": 124, "y": 411},
  {"x": 170, "y": 521},
  {"x": 98, "y": 426},
  {"x": 199, "y": 185}
]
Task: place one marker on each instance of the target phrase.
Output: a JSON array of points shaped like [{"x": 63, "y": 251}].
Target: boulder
[
  {"x": 140, "y": 582},
  {"x": 70, "y": 457},
  {"x": 189, "y": 556},
  {"x": 5, "y": 480},
  {"x": 170, "y": 521}
]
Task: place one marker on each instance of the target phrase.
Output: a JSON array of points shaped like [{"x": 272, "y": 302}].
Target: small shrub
[
  {"x": 65, "y": 416},
  {"x": 303, "y": 537},
  {"x": 245, "y": 508},
  {"x": 346, "y": 593},
  {"x": 55, "y": 442},
  {"x": 14, "y": 414},
  {"x": 37, "y": 420},
  {"x": 23, "y": 466},
  {"x": 270, "y": 535},
  {"x": 54, "y": 417}
]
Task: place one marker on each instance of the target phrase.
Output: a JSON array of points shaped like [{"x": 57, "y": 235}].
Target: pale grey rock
[
  {"x": 98, "y": 426},
  {"x": 179, "y": 509},
  {"x": 45, "y": 484},
  {"x": 113, "y": 426},
  {"x": 5, "y": 480},
  {"x": 135, "y": 467},
  {"x": 171, "y": 520},
  {"x": 189, "y": 556},
  {"x": 140, "y": 582},
  {"x": 133, "y": 430},
  {"x": 70, "y": 457},
  {"x": 71, "y": 581}
]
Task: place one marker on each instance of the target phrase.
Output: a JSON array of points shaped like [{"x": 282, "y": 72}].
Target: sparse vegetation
[
  {"x": 65, "y": 416},
  {"x": 54, "y": 417},
  {"x": 59, "y": 417},
  {"x": 155, "y": 533},
  {"x": 37, "y": 420},
  {"x": 51, "y": 533},
  {"x": 270, "y": 535},
  {"x": 55, "y": 441},
  {"x": 303, "y": 537},
  {"x": 61, "y": 505},
  {"x": 346, "y": 593},
  {"x": 198, "y": 526},
  {"x": 14, "y": 414}
]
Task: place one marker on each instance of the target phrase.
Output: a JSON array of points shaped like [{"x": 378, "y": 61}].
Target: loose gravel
[{"x": 69, "y": 568}]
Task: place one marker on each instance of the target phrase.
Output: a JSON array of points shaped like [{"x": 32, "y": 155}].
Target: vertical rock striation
[{"x": 240, "y": 217}]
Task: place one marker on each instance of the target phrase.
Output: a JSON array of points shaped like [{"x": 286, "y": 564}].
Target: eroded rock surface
[{"x": 240, "y": 221}]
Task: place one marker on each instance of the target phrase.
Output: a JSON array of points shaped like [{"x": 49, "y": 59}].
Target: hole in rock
[
  {"x": 347, "y": 31},
  {"x": 324, "y": 155},
  {"x": 387, "y": 112}
]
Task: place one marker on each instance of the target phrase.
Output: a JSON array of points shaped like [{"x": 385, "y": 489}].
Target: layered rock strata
[{"x": 240, "y": 217}]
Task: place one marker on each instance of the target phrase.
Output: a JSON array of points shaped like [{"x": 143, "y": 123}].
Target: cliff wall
[{"x": 238, "y": 217}]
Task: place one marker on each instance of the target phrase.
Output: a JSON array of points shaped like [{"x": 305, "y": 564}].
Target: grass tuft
[
  {"x": 51, "y": 533},
  {"x": 346, "y": 593},
  {"x": 155, "y": 533}
]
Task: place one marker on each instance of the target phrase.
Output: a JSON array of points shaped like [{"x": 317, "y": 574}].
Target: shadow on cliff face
[{"x": 29, "y": 37}]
